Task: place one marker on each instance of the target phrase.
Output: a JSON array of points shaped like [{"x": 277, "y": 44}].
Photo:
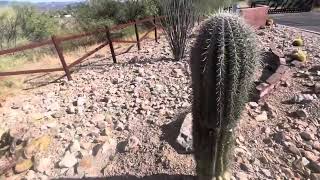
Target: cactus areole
[{"x": 223, "y": 61}]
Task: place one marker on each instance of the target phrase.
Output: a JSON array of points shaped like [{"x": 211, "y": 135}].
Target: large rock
[{"x": 185, "y": 136}]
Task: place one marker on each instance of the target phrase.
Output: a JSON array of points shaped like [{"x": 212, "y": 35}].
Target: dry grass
[{"x": 14, "y": 84}]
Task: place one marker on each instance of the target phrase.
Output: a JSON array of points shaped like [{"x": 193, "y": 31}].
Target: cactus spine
[{"x": 223, "y": 61}]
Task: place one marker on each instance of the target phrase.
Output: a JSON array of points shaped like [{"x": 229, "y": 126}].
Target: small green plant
[
  {"x": 298, "y": 42},
  {"x": 299, "y": 55},
  {"x": 223, "y": 61}
]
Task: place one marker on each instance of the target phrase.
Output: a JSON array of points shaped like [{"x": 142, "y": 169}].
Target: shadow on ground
[
  {"x": 129, "y": 177},
  {"x": 171, "y": 131}
]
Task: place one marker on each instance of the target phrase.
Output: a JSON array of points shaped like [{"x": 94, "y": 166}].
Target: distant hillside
[{"x": 43, "y": 6}]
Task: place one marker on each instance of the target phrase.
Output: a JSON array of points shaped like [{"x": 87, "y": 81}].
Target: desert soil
[{"x": 120, "y": 121}]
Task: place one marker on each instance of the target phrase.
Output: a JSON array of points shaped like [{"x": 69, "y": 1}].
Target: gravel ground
[{"x": 121, "y": 121}]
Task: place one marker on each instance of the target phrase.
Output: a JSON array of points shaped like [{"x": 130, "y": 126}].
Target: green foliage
[
  {"x": 97, "y": 13},
  {"x": 39, "y": 26},
  {"x": 223, "y": 61}
]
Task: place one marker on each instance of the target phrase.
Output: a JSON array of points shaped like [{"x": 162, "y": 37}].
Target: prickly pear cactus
[{"x": 223, "y": 61}]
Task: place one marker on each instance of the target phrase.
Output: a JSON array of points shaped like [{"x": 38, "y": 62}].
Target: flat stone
[
  {"x": 293, "y": 148},
  {"x": 310, "y": 156},
  {"x": 253, "y": 104},
  {"x": 307, "y": 136},
  {"x": 185, "y": 135},
  {"x": 262, "y": 117},
  {"x": 316, "y": 145},
  {"x": 315, "y": 166},
  {"x": 68, "y": 160},
  {"x": 302, "y": 113},
  {"x": 317, "y": 88}
]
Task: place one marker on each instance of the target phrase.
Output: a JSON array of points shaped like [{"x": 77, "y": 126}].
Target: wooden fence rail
[{"x": 56, "y": 42}]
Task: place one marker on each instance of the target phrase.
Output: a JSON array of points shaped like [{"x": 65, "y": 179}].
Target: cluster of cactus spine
[
  {"x": 298, "y": 41},
  {"x": 223, "y": 61},
  {"x": 300, "y": 55}
]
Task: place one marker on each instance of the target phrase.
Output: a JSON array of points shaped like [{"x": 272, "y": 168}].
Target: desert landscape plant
[
  {"x": 179, "y": 20},
  {"x": 223, "y": 61}
]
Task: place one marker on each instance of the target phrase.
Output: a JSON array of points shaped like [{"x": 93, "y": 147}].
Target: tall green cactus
[{"x": 223, "y": 61}]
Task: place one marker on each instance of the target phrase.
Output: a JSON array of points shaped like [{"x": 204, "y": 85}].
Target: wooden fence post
[
  {"x": 111, "y": 45},
  {"x": 137, "y": 34},
  {"x": 155, "y": 28},
  {"x": 61, "y": 57}
]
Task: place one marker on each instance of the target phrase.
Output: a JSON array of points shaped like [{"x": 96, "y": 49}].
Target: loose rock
[
  {"x": 262, "y": 117},
  {"x": 307, "y": 136},
  {"x": 68, "y": 161}
]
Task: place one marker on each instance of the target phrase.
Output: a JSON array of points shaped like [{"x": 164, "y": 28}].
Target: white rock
[
  {"x": 262, "y": 117},
  {"x": 81, "y": 101},
  {"x": 42, "y": 165},
  {"x": 253, "y": 104},
  {"x": 68, "y": 161},
  {"x": 75, "y": 146}
]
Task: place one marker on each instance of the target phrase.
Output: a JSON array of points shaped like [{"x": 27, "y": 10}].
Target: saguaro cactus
[{"x": 223, "y": 61}]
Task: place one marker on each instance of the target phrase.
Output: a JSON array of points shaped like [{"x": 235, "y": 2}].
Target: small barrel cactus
[
  {"x": 223, "y": 61},
  {"x": 269, "y": 22},
  {"x": 299, "y": 55},
  {"x": 298, "y": 42}
]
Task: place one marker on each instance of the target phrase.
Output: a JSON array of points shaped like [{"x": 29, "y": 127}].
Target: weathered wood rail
[{"x": 56, "y": 42}]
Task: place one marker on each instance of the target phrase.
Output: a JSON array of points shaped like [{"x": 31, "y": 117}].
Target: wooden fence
[{"x": 56, "y": 41}]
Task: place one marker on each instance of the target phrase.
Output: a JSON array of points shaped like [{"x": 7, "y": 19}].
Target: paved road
[{"x": 306, "y": 20}]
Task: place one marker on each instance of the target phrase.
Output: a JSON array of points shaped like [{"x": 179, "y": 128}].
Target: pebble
[
  {"x": 307, "y": 136},
  {"x": 302, "y": 113}
]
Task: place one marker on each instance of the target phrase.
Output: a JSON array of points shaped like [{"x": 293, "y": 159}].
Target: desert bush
[
  {"x": 223, "y": 61},
  {"x": 180, "y": 15}
]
